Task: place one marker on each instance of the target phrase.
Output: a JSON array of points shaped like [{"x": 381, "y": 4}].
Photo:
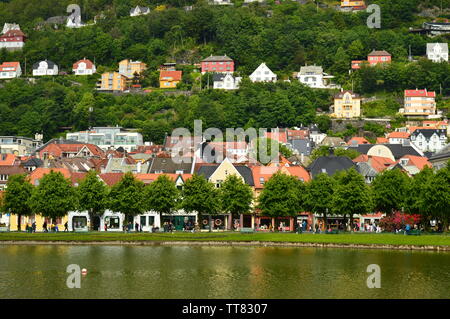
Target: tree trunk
[
  {"x": 351, "y": 221},
  {"x": 91, "y": 221},
  {"x": 445, "y": 224},
  {"x": 19, "y": 222},
  {"x": 325, "y": 220}
]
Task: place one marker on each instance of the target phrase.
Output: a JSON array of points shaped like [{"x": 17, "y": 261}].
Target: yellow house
[
  {"x": 169, "y": 79},
  {"x": 216, "y": 174},
  {"x": 347, "y": 105},
  {"x": 14, "y": 222},
  {"x": 113, "y": 81},
  {"x": 351, "y": 4},
  {"x": 129, "y": 67}
]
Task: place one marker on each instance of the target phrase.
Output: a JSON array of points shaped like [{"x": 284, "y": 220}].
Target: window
[
  {"x": 79, "y": 222},
  {"x": 143, "y": 221},
  {"x": 112, "y": 222}
]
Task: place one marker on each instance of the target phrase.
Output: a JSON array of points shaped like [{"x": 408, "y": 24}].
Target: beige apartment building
[
  {"x": 112, "y": 81},
  {"x": 419, "y": 103},
  {"x": 347, "y": 105},
  {"x": 129, "y": 67}
]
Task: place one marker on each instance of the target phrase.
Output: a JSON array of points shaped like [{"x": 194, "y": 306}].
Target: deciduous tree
[
  {"x": 54, "y": 197},
  {"x": 15, "y": 198}
]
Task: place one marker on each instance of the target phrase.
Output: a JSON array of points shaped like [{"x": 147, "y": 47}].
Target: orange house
[
  {"x": 261, "y": 174},
  {"x": 169, "y": 79}
]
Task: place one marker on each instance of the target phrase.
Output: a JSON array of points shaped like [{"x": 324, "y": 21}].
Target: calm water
[{"x": 220, "y": 272}]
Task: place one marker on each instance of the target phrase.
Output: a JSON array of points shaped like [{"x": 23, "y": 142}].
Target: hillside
[{"x": 285, "y": 36}]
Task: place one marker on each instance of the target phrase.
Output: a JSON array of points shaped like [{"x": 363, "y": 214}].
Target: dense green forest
[{"x": 285, "y": 36}]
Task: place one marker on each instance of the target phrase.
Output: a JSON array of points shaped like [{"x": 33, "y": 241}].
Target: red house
[
  {"x": 217, "y": 64},
  {"x": 376, "y": 57},
  {"x": 12, "y": 39}
]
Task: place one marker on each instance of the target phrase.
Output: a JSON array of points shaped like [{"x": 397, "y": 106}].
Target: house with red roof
[
  {"x": 277, "y": 134},
  {"x": 356, "y": 140},
  {"x": 412, "y": 164},
  {"x": 378, "y": 163},
  {"x": 379, "y": 57},
  {"x": 7, "y": 159},
  {"x": 419, "y": 103},
  {"x": 84, "y": 67},
  {"x": 38, "y": 173},
  {"x": 9, "y": 70},
  {"x": 261, "y": 174},
  {"x": 169, "y": 79},
  {"x": 12, "y": 40},
  {"x": 398, "y": 137},
  {"x": 54, "y": 150},
  {"x": 382, "y": 140}
]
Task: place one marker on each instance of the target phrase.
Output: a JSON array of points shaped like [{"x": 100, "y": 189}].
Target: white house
[
  {"x": 437, "y": 52},
  {"x": 221, "y": 2},
  {"x": 398, "y": 137},
  {"x": 45, "y": 67},
  {"x": 226, "y": 81},
  {"x": 263, "y": 74},
  {"x": 108, "y": 137},
  {"x": 314, "y": 77},
  {"x": 138, "y": 11},
  {"x": 9, "y": 70},
  {"x": 84, "y": 67},
  {"x": 10, "y": 26},
  {"x": 429, "y": 140}
]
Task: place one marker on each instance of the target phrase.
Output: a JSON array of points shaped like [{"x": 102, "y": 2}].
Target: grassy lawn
[{"x": 383, "y": 239}]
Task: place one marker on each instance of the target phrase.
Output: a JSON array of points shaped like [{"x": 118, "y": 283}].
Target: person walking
[
  {"x": 66, "y": 227},
  {"x": 33, "y": 227},
  {"x": 44, "y": 227}
]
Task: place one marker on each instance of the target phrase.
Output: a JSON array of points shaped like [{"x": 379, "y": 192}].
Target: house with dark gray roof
[
  {"x": 226, "y": 81},
  {"x": 367, "y": 171},
  {"x": 392, "y": 151},
  {"x": 330, "y": 165},
  {"x": 32, "y": 163},
  {"x": 159, "y": 165},
  {"x": 301, "y": 146},
  {"x": 440, "y": 159},
  {"x": 217, "y": 173},
  {"x": 45, "y": 67},
  {"x": 429, "y": 140}
]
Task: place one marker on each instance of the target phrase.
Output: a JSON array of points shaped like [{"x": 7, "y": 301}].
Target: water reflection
[{"x": 219, "y": 272}]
